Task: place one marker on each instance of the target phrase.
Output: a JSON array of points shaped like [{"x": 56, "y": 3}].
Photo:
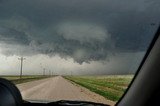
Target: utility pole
[
  {"x": 49, "y": 72},
  {"x": 44, "y": 71},
  {"x": 52, "y": 73},
  {"x": 21, "y": 59}
]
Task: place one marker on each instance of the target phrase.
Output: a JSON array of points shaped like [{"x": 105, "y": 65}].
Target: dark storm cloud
[
  {"x": 12, "y": 36},
  {"x": 85, "y": 30}
]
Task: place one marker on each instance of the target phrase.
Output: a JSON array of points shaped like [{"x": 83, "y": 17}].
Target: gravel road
[{"x": 58, "y": 88}]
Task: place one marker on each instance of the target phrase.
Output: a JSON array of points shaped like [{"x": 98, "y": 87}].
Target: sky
[{"x": 81, "y": 37}]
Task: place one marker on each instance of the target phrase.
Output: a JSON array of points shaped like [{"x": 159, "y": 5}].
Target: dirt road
[{"x": 58, "y": 88}]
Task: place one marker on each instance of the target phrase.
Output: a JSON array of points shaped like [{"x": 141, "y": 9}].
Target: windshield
[{"x": 85, "y": 50}]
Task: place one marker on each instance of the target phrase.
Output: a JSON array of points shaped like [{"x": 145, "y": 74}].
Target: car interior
[{"x": 144, "y": 89}]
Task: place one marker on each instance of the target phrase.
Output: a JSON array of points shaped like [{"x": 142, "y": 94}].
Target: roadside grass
[
  {"x": 26, "y": 78},
  {"x": 110, "y": 87}
]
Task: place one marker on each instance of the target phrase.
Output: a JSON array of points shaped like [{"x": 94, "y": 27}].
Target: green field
[
  {"x": 110, "y": 87},
  {"x": 26, "y": 78}
]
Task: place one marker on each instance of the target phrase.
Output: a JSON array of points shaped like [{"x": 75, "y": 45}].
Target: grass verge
[
  {"x": 110, "y": 87},
  {"x": 17, "y": 80}
]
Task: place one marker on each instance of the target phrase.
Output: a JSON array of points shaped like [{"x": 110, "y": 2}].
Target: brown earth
[{"x": 58, "y": 88}]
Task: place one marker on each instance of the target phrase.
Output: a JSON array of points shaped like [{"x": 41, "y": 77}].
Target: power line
[{"x": 21, "y": 59}]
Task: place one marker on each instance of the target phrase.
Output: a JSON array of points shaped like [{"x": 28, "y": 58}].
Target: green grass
[
  {"x": 111, "y": 87},
  {"x": 26, "y": 78}
]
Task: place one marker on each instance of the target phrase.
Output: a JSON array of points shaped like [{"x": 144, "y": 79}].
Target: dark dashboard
[{"x": 64, "y": 103}]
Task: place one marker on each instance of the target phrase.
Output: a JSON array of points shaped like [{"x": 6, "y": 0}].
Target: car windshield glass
[{"x": 84, "y": 50}]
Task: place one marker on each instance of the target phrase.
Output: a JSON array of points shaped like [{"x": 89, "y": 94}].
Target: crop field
[
  {"x": 110, "y": 87},
  {"x": 26, "y": 78}
]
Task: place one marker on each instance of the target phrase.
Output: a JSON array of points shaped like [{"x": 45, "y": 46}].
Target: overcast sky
[{"x": 76, "y": 36}]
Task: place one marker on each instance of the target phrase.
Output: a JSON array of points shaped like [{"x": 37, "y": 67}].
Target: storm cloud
[{"x": 84, "y": 30}]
